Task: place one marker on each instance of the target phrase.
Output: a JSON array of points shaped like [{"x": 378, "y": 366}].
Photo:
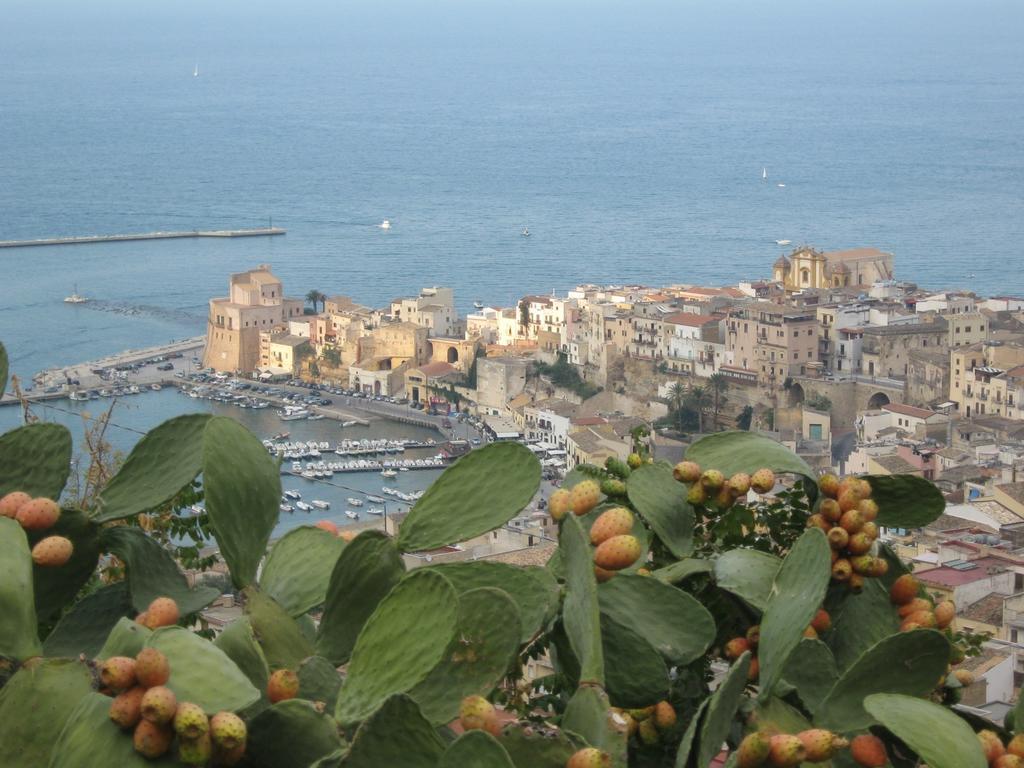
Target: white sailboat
[
  {"x": 386, "y": 224},
  {"x": 195, "y": 72},
  {"x": 764, "y": 173}
]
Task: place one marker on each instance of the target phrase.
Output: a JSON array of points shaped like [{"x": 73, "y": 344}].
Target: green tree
[
  {"x": 745, "y": 417},
  {"x": 524, "y": 313},
  {"x": 314, "y": 297},
  {"x": 676, "y": 401},
  {"x": 699, "y": 398},
  {"x": 718, "y": 386},
  {"x": 818, "y": 402},
  {"x": 332, "y": 356}
]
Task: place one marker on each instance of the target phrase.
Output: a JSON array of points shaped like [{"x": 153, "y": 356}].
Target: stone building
[
  {"x": 255, "y": 302},
  {"x": 498, "y": 380},
  {"x": 807, "y": 268},
  {"x": 886, "y": 349},
  {"x": 773, "y": 341},
  {"x": 434, "y": 309},
  {"x": 985, "y": 379}
]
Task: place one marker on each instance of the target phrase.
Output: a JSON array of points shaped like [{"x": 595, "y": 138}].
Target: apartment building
[
  {"x": 690, "y": 344},
  {"x": 434, "y": 309},
  {"x": 885, "y": 350},
  {"x": 985, "y": 379},
  {"x": 773, "y": 341}
]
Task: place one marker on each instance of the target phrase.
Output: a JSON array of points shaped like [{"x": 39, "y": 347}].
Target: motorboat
[
  {"x": 351, "y": 515},
  {"x": 386, "y": 224},
  {"x": 525, "y": 232},
  {"x": 320, "y": 504},
  {"x": 303, "y": 506},
  {"x": 287, "y": 508},
  {"x": 79, "y": 396},
  {"x": 389, "y": 473},
  {"x": 375, "y": 499},
  {"x": 155, "y": 387},
  {"x": 75, "y": 297},
  {"x": 349, "y": 423},
  {"x": 315, "y": 417},
  {"x": 375, "y": 511},
  {"x": 354, "y": 502},
  {"x": 783, "y": 242},
  {"x": 478, "y": 305}
]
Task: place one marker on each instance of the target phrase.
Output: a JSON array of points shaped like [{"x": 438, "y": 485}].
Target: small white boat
[
  {"x": 386, "y": 224},
  {"x": 349, "y": 423},
  {"x": 294, "y": 495},
  {"x": 389, "y": 473},
  {"x": 303, "y": 506},
  {"x": 375, "y": 499},
  {"x": 155, "y": 387},
  {"x": 79, "y": 396},
  {"x": 287, "y": 508},
  {"x": 783, "y": 242},
  {"x": 352, "y": 515},
  {"x": 780, "y": 185},
  {"x": 75, "y": 297},
  {"x": 478, "y": 305},
  {"x": 354, "y": 502},
  {"x": 403, "y": 469},
  {"x": 375, "y": 511},
  {"x": 315, "y": 417},
  {"x": 320, "y": 504},
  {"x": 525, "y": 232}
]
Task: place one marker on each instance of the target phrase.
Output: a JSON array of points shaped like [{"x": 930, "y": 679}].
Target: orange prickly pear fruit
[
  {"x": 736, "y": 648},
  {"x": 12, "y": 502},
  {"x": 159, "y": 705},
  {"x": 848, "y": 500},
  {"x": 162, "y": 612},
  {"x": 754, "y": 671},
  {"x": 904, "y": 589},
  {"x": 614, "y": 522},
  {"x": 786, "y": 751},
  {"x": 559, "y": 503},
  {"x": 52, "y": 552},
  {"x": 822, "y": 622},
  {"x": 282, "y": 685},
  {"x": 753, "y": 750},
  {"x": 818, "y": 521},
  {"x": 1008, "y": 761},
  {"x": 868, "y": 751},
  {"x": 879, "y": 567},
  {"x": 118, "y": 673},
  {"x": 151, "y": 740},
  {"x": 922, "y": 619},
  {"x": 590, "y": 757},
  {"x": 841, "y": 569},
  {"x": 811, "y": 633},
  {"x": 856, "y": 582},
  {"x": 829, "y": 485},
  {"x": 852, "y": 521},
  {"x": 868, "y": 509},
  {"x": 820, "y": 744},
  {"x": 830, "y": 510},
  {"x": 762, "y": 481},
  {"x": 870, "y": 530},
  {"x": 838, "y": 538},
  {"x": 724, "y": 498},
  {"x": 915, "y": 605},
  {"x": 152, "y": 668},
  {"x": 945, "y": 612},
  {"x": 862, "y": 564},
  {"x": 126, "y": 708},
  {"x": 618, "y": 552},
  {"x": 142, "y": 618},
  {"x": 991, "y": 745},
  {"x": 584, "y": 496},
  {"x": 858, "y": 544},
  {"x": 602, "y": 575},
  {"x": 687, "y": 472},
  {"x": 1016, "y": 745},
  {"x": 664, "y": 715},
  {"x": 739, "y": 484},
  {"x": 38, "y": 514},
  {"x": 477, "y": 714}
]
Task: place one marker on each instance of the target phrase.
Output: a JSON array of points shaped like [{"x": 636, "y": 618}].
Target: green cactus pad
[
  {"x": 536, "y": 746},
  {"x": 905, "y": 501},
  {"x": 201, "y": 672},
  {"x": 365, "y": 572},
  {"x": 533, "y": 589},
  {"x": 811, "y": 670},
  {"x": 238, "y": 641},
  {"x": 319, "y": 681},
  {"x": 909, "y": 663},
  {"x": 396, "y": 734},
  {"x": 163, "y": 462},
  {"x": 34, "y": 706},
  {"x": 731, "y": 452},
  {"x": 776, "y": 716},
  {"x": 3, "y": 368},
  {"x": 796, "y": 594},
  {"x": 127, "y": 638},
  {"x": 580, "y": 612},
  {"x": 721, "y": 709},
  {"x": 681, "y": 570},
  {"x": 748, "y": 574},
  {"x": 56, "y": 587},
  {"x": 291, "y": 734},
  {"x": 635, "y": 672},
  {"x": 18, "y": 638},
  {"x": 85, "y": 628},
  {"x": 35, "y": 459},
  {"x": 587, "y": 715},
  {"x": 243, "y": 491},
  {"x": 298, "y": 568},
  {"x": 89, "y": 740},
  {"x": 661, "y": 501},
  {"x": 675, "y": 623},
  {"x": 690, "y": 736},
  {"x": 405, "y": 637},
  {"x": 280, "y": 637},
  {"x": 475, "y": 749},
  {"x": 860, "y": 621},
  {"x": 478, "y": 493},
  {"x": 480, "y": 655},
  {"x": 152, "y": 572},
  {"x": 941, "y": 738}
]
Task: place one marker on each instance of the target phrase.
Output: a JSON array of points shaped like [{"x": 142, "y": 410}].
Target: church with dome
[{"x": 807, "y": 267}]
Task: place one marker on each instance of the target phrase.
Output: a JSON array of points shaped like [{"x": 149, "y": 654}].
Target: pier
[{"x": 82, "y": 239}]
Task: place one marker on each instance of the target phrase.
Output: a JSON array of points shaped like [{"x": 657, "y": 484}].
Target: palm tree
[
  {"x": 699, "y": 398},
  {"x": 676, "y": 400},
  {"x": 718, "y": 386},
  {"x": 314, "y": 297}
]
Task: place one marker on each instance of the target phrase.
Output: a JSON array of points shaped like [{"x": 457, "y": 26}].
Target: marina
[{"x": 83, "y": 239}]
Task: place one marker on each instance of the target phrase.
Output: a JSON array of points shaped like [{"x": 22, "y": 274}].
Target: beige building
[
  {"x": 423, "y": 381},
  {"x": 807, "y": 268},
  {"x": 498, "y": 380},
  {"x": 433, "y": 309},
  {"x": 885, "y": 350},
  {"x": 988, "y": 380},
  {"x": 280, "y": 353},
  {"x": 966, "y": 328},
  {"x": 255, "y": 302},
  {"x": 773, "y": 341}
]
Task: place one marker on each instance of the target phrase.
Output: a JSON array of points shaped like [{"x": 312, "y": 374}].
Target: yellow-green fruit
[
  {"x": 687, "y": 472},
  {"x": 159, "y": 704},
  {"x": 584, "y": 496},
  {"x": 648, "y": 732},
  {"x": 830, "y": 510},
  {"x": 712, "y": 480},
  {"x": 617, "y": 553},
  {"x": 739, "y": 484},
  {"x": 151, "y": 740},
  {"x": 753, "y": 635},
  {"x": 559, "y": 503},
  {"x": 829, "y": 485},
  {"x": 642, "y": 713},
  {"x": 762, "y": 481},
  {"x": 195, "y": 751},
  {"x": 634, "y": 460},
  {"x": 590, "y": 757},
  {"x": 613, "y": 486},
  {"x": 697, "y": 495},
  {"x": 724, "y": 498},
  {"x": 477, "y": 714},
  {"x": 664, "y": 716},
  {"x": 190, "y": 721},
  {"x": 613, "y": 522},
  {"x": 227, "y": 730},
  {"x": 753, "y": 750}
]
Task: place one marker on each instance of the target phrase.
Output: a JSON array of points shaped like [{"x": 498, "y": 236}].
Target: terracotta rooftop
[
  {"x": 895, "y": 465},
  {"x": 988, "y": 610},
  {"x": 945, "y": 576},
  {"x": 537, "y": 556},
  {"x": 690, "y": 319},
  {"x": 855, "y": 254},
  {"x": 1014, "y": 490},
  {"x": 908, "y": 410},
  {"x": 438, "y": 368}
]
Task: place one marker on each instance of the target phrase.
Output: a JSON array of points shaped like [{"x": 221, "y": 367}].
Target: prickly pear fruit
[
  {"x": 754, "y": 670},
  {"x": 151, "y": 668},
  {"x": 687, "y": 472},
  {"x": 829, "y": 485},
  {"x": 841, "y": 569},
  {"x": 634, "y": 460},
  {"x": 739, "y": 484},
  {"x": 712, "y": 479},
  {"x": 817, "y": 521},
  {"x": 724, "y": 498},
  {"x": 190, "y": 721},
  {"x": 991, "y": 745},
  {"x": 822, "y": 622},
  {"x": 820, "y": 744},
  {"x": 664, "y": 715},
  {"x": 12, "y": 502},
  {"x": 618, "y": 552},
  {"x": 838, "y": 538},
  {"x": 697, "y": 495},
  {"x": 38, "y": 514},
  {"x": 162, "y": 612},
  {"x": 786, "y": 750},
  {"x": 859, "y": 543},
  {"x": 584, "y": 496},
  {"x": 852, "y": 521},
  {"x": 195, "y": 751},
  {"x": 126, "y": 708},
  {"x": 118, "y": 673},
  {"x": 856, "y": 583},
  {"x": 754, "y": 635},
  {"x": 53, "y": 551},
  {"x": 870, "y": 530},
  {"x": 868, "y": 751},
  {"x": 868, "y": 509},
  {"x": 848, "y": 500},
  {"x": 602, "y": 575},
  {"x": 142, "y": 618},
  {"x": 762, "y": 481},
  {"x": 964, "y": 676},
  {"x": 1008, "y": 761},
  {"x": 477, "y": 713},
  {"x": 922, "y": 619},
  {"x": 326, "y": 525},
  {"x": 283, "y": 684},
  {"x": 736, "y": 648},
  {"x": 590, "y": 757},
  {"x": 945, "y": 612},
  {"x": 879, "y": 567},
  {"x": 830, "y": 510},
  {"x": 615, "y": 522},
  {"x": 159, "y": 704},
  {"x": 642, "y": 713},
  {"x": 862, "y": 564},
  {"x": 1016, "y": 745},
  {"x": 613, "y": 486},
  {"x": 559, "y": 503},
  {"x": 753, "y": 750},
  {"x": 648, "y": 732},
  {"x": 227, "y": 730},
  {"x": 915, "y": 605},
  {"x": 151, "y": 740}
]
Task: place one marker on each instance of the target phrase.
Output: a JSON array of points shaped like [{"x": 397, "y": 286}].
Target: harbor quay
[{"x": 84, "y": 239}]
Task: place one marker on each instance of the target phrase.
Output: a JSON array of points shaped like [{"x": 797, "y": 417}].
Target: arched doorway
[
  {"x": 376, "y": 387},
  {"x": 453, "y": 355},
  {"x": 795, "y": 395},
  {"x": 878, "y": 400}
]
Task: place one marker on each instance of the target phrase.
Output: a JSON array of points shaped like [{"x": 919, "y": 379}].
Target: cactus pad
[
  {"x": 475, "y": 749},
  {"x": 162, "y": 463},
  {"x": 279, "y": 635},
  {"x": 298, "y": 568},
  {"x": 17, "y": 614},
  {"x": 127, "y": 638},
  {"x": 56, "y": 587},
  {"x": 35, "y": 459},
  {"x": 587, "y": 715},
  {"x": 860, "y": 621},
  {"x": 580, "y": 612},
  {"x": 201, "y": 672},
  {"x": 534, "y": 746},
  {"x": 661, "y": 501},
  {"x": 396, "y": 734},
  {"x": 364, "y": 573},
  {"x": 905, "y": 501},
  {"x": 238, "y": 641},
  {"x": 748, "y": 574},
  {"x": 679, "y": 571},
  {"x": 405, "y": 637},
  {"x": 319, "y": 681},
  {"x": 480, "y": 492},
  {"x": 481, "y": 653},
  {"x": 242, "y": 488},
  {"x": 291, "y": 734},
  {"x": 722, "y": 707},
  {"x": 811, "y": 670},
  {"x": 84, "y": 628},
  {"x": 738, "y": 451},
  {"x": 635, "y": 672},
  {"x": 936, "y": 734}
]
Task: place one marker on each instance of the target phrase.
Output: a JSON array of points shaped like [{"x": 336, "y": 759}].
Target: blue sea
[{"x": 629, "y": 137}]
